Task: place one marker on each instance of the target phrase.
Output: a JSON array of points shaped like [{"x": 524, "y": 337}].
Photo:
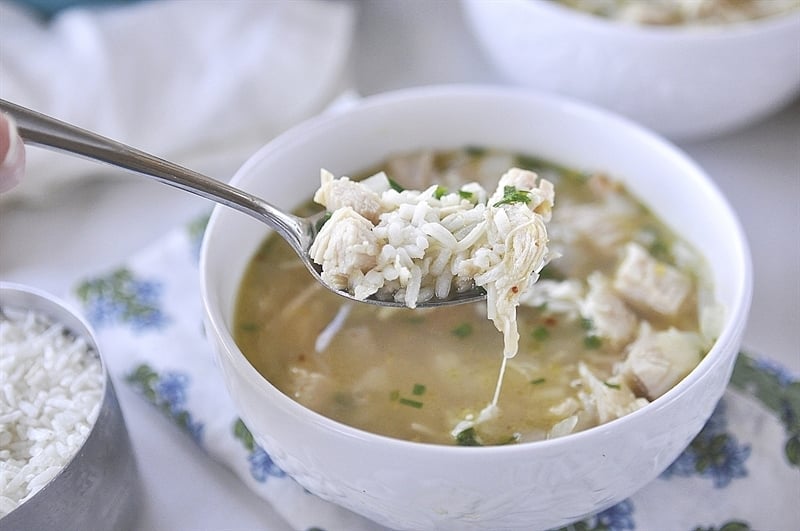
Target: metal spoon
[{"x": 38, "y": 129}]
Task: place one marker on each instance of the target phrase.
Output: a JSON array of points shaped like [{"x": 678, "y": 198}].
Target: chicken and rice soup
[
  {"x": 683, "y": 12},
  {"x": 617, "y": 310}
]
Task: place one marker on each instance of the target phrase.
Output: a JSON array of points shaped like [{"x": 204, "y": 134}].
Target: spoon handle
[{"x": 38, "y": 129}]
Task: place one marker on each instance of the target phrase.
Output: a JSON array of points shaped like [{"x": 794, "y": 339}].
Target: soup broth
[{"x": 588, "y": 328}]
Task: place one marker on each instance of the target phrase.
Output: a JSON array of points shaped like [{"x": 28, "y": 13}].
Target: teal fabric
[{"x": 49, "y": 8}]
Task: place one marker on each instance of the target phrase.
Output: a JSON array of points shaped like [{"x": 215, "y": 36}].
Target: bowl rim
[
  {"x": 608, "y": 26},
  {"x": 735, "y": 319}
]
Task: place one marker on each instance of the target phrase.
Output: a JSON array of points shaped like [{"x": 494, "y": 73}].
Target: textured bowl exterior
[
  {"x": 529, "y": 486},
  {"x": 682, "y": 82},
  {"x": 100, "y": 487}
]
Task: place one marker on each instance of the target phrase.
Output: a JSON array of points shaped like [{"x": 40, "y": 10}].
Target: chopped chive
[
  {"x": 550, "y": 273},
  {"x": 394, "y": 395},
  {"x": 249, "y": 327},
  {"x": 408, "y": 402},
  {"x": 418, "y": 390},
  {"x": 538, "y": 381},
  {"x": 464, "y": 194},
  {"x": 468, "y": 437},
  {"x": 613, "y": 385},
  {"x": 415, "y": 319},
  {"x": 395, "y": 185},
  {"x": 462, "y": 330},
  {"x": 512, "y": 195},
  {"x": 440, "y": 192},
  {"x": 592, "y": 342},
  {"x": 541, "y": 333}
]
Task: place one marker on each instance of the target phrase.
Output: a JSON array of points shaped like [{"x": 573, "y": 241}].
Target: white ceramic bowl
[
  {"x": 684, "y": 82},
  {"x": 528, "y": 486}
]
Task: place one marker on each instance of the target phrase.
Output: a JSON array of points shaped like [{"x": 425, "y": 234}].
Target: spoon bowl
[{"x": 44, "y": 131}]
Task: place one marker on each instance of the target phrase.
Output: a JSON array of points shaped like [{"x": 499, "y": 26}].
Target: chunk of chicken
[
  {"x": 610, "y": 316},
  {"x": 656, "y": 361},
  {"x": 346, "y": 248},
  {"x": 646, "y": 282},
  {"x": 335, "y": 194},
  {"x": 607, "y": 400}
]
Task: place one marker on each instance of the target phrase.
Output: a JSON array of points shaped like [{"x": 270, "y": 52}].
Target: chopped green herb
[
  {"x": 395, "y": 185},
  {"x": 592, "y": 342},
  {"x": 323, "y": 220},
  {"x": 408, "y": 402},
  {"x": 660, "y": 250},
  {"x": 538, "y": 381},
  {"x": 415, "y": 319},
  {"x": 462, "y": 330},
  {"x": 613, "y": 385},
  {"x": 344, "y": 399},
  {"x": 418, "y": 390},
  {"x": 440, "y": 192},
  {"x": 475, "y": 151},
  {"x": 541, "y": 333},
  {"x": 464, "y": 194},
  {"x": 394, "y": 395},
  {"x": 587, "y": 324},
  {"x": 550, "y": 273},
  {"x": 512, "y": 195},
  {"x": 249, "y": 327},
  {"x": 468, "y": 437}
]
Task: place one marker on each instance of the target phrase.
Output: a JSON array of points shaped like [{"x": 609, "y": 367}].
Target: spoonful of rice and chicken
[{"x": 375, "y": 242}]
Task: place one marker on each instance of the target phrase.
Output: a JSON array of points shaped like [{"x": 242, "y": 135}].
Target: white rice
[
  {"x": 411, "y": 246},
  {"x": 51, "y": 387}
]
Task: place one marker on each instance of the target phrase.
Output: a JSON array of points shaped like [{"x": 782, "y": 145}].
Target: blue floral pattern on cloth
[
  {"x": 123, "y": 297},
  {"x": 261, "y": 464},
  {"x": 714, "y": 453},
  {"x": 618, "y": 517},
  {"x": 168, "y": 392},
  {"x": 147, "y": 313}
]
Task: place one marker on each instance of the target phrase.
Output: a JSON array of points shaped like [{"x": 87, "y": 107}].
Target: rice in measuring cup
[{"x": 51, "y": 389}]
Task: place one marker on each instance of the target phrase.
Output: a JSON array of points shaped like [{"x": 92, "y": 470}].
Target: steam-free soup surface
[{"x": 425, "y": 375}]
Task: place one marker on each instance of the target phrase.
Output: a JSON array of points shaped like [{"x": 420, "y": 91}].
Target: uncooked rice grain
[{"x": 50, "y": 396}]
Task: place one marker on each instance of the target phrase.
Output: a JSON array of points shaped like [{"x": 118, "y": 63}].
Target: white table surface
[{"x": 398, "y": 44}]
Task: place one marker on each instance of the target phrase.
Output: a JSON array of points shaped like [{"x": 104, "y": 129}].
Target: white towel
[{"x": 202, "y": 83}]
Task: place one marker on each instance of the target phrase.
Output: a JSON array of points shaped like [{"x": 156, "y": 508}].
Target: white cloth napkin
[
  {"x": 202, "y": 83},
  {"x": 740, "y": 472}
]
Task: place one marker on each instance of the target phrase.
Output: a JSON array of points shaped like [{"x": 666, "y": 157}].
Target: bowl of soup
[
  {"x": 626, "y": 337},
  {"x": 687, "y": 70}
]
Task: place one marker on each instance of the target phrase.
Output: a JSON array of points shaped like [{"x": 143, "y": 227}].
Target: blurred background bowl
[
  {"x": 538, "y": 485},
  {"x": 99, "y": 488},
  {"x": 684, "y": 82}
]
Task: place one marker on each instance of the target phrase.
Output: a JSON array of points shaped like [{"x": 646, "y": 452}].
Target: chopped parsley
[
  {"x": 249, "y": 327},
  {"x": 538, "y": 381},
  {"x": 440, "y": 192},
  {"x": 587, "y": 324},
  {"x": 468, "y": 437},
  {"x": 592, "y": 342},
  {"x": 475, "y": 151},
  {"x": 463, "y": 330},
  {"x": 512, "y": 195},
  {"x": 395, "y": 185},
  {"x": 394, "y": 395},
  {"x": 409, "y": 402},
  {"x": 418, "y": 390},
  {"x": 464, "y": 194},
  {"x": 541, "y": 333}
]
